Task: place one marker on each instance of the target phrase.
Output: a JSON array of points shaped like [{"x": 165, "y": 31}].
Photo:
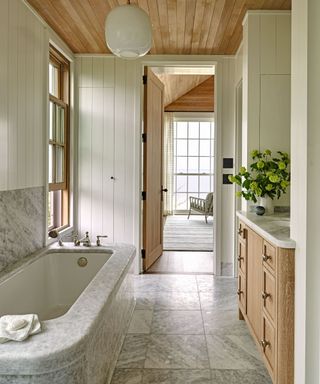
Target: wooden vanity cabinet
[{"x": 266, "y": 300}]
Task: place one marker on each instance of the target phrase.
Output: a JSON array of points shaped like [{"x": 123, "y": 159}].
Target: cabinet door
[
  {"x": 254, "y": 279},
  {"x": 242, "y": 293},
  {"x": 268, "y": 346}
]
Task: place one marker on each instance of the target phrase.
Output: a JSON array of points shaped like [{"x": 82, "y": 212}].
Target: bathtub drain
[{"x": 82, "y": 261}]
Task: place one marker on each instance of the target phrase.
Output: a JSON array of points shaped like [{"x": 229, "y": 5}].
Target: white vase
[{"x": 267, "y": 203}]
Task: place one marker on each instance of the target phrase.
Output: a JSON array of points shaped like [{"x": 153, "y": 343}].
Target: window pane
[
  {"x": 193, "y": 185},
  {"x": 51, "y": 163},
  {"x": 204, "y": 165},
  {"x": 58, "y": 119},
  {"x": 212, "y": 164},
  {"x": 193, "y": 148},
  {"x": 212, "y": 130},
  {"x": 50, "y": 210},
  {"x": 60, "y": 124},
  {"x": 182, "y": 201},
  {"x": 194, "y": 130},
  {"x": 212, "y": 184},
  {"x": 59, "y": 164},
  {"x": 52, "y": 124},
  {"x": 53, "y": 80},
  {"x": 182, "y": 164},
  {"x": 193, "y": 166},
  {"x": 182, "y": 130},
  {"x": 204, "y": 183},
  {"x": 182, "y": 148},
  {"x": 205, "y": 129},
  {"x": 205, "y": 147},
  {"x": 181, "y": 184}
]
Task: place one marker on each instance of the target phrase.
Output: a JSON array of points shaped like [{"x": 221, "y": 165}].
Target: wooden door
[
  {"x": 152, "y": 168},
  {"x": 254, "y": 278}
]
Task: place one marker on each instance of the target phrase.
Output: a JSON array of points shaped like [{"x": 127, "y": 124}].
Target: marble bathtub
[{"x": 84, "y": 313}]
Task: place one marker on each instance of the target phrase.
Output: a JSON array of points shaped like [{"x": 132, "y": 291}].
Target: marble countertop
[{"x": 274, "y": 228}]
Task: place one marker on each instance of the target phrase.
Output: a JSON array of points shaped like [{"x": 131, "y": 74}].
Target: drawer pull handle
[
  {"x": 239, "y": 292},
  {"x": 266, "y": 257},
  {"x": 264, "y": 344},
  {"x": 265, "y": 295},
  {"x": 240, "y": 231},
  {"x": 240, "y": 258}
]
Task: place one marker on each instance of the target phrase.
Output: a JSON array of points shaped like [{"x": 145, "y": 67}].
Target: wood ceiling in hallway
[{"x": 179, "y": 26}]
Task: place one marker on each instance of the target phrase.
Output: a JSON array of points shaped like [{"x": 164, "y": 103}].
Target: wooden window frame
[{"x": 62, "y": 210}]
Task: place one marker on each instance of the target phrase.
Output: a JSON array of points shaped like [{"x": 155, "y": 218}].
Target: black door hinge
[
  {"x": 144, "y": 79},
  {"x": 143, "y": 195},
  {"x": 144, "y": 137},
  {"x": 143, "y": 253}
]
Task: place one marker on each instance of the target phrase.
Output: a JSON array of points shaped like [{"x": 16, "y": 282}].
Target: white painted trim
[
  {"x": 239, "y": 49},
  {"x": 264, "y": 12}
]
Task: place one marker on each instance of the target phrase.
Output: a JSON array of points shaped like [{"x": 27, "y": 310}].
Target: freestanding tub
[{"x": 84, "y": 311}]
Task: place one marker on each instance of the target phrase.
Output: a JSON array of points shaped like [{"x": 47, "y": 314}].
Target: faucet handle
[
  {"x": 76, "y": 240},
  {"x": 98, "y": 239}
]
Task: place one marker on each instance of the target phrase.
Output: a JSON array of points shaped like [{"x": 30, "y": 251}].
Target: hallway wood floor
[
  {"x": 183, "y": 262},
  {"x": 185, "y": 330}
]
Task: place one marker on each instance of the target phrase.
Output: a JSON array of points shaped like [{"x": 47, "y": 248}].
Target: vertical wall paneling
[
  {"x": 129, "y": 150},
  {"x": 254, "y": 82},
  {"x": 120, "y": 155},
  {"x": 268, "y": 40},
  {"x": 23, "y": 105},
  {"x": 274, "y": 112},
  {"x": 96, "y": 158},
  {"x": 266, "y": 84},
  {"x": 4, "y": 33},
  {"x": 283, "y": 53},
  {"x": 86, "y": 72},
  {"x": 108, "y": 161},
  {"x": 227, "y": 132},
  {"x": 29, "y": 102},
  {"x": 22, "y": 91},
  {"x": 85, "y": 153},
  {"x": 95, "y": 80},
  {"x": 13, "y": 96}
]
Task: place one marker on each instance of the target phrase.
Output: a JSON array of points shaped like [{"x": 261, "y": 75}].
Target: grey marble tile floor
[{"x": 185, "y": 330}]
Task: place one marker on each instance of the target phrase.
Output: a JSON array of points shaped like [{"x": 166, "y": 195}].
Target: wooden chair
[{"x": 203, "y": 206}]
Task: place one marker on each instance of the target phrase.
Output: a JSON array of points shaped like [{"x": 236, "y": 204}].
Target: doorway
[{"x": 189, "y": 173}]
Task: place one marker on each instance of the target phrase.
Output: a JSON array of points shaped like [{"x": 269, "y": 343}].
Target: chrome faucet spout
[
  {"x": 54, "y": 234},
  {"x": 86, "y": 240}
]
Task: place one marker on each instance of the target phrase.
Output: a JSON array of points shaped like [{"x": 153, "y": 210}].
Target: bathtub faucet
[
  {"x": 55, "y": 234},
  {"x": 99, "y": 241},
  {"x": 86, "y": 240}
]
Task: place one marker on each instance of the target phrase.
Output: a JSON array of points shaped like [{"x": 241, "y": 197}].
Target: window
[
  {"x": 58, "y": 149},
  {"x": 193, "y": 161}
]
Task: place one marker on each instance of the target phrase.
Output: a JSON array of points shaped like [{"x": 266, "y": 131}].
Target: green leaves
[{"x": 268, "y": 176}]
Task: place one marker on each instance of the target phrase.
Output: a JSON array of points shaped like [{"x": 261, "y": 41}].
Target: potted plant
[{"x": 268, "y": 177}]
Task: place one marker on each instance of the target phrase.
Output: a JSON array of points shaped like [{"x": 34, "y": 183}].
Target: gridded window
[
  {"x": 193, "y": 161},
  {"x": 58, "y": 149}
]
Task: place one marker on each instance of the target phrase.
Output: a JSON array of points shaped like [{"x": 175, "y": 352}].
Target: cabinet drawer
[
  {"x": 242, "y": 293},
  {"x": 269, "y": 255},
  {"x": 242, "y": 257},
  {"x": 268, "y": 294},
  {"x": 267, "y": 343}
]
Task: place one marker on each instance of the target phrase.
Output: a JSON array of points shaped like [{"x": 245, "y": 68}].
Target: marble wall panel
[{"x": 22, "y": 226}]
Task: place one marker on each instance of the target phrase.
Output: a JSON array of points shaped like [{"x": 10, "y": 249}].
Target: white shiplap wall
[
  {"x": 106, "y": 147},
  {"x": 266, "y": 84},
  {"x": 23, "y": 63}
]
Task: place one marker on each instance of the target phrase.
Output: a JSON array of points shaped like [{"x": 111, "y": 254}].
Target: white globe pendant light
[{"x": 128, "y": 31}]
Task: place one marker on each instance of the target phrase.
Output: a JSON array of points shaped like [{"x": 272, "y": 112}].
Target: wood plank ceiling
[
  {"x": 176, "y": 86},
  {"x": 179, "y": 26}
]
